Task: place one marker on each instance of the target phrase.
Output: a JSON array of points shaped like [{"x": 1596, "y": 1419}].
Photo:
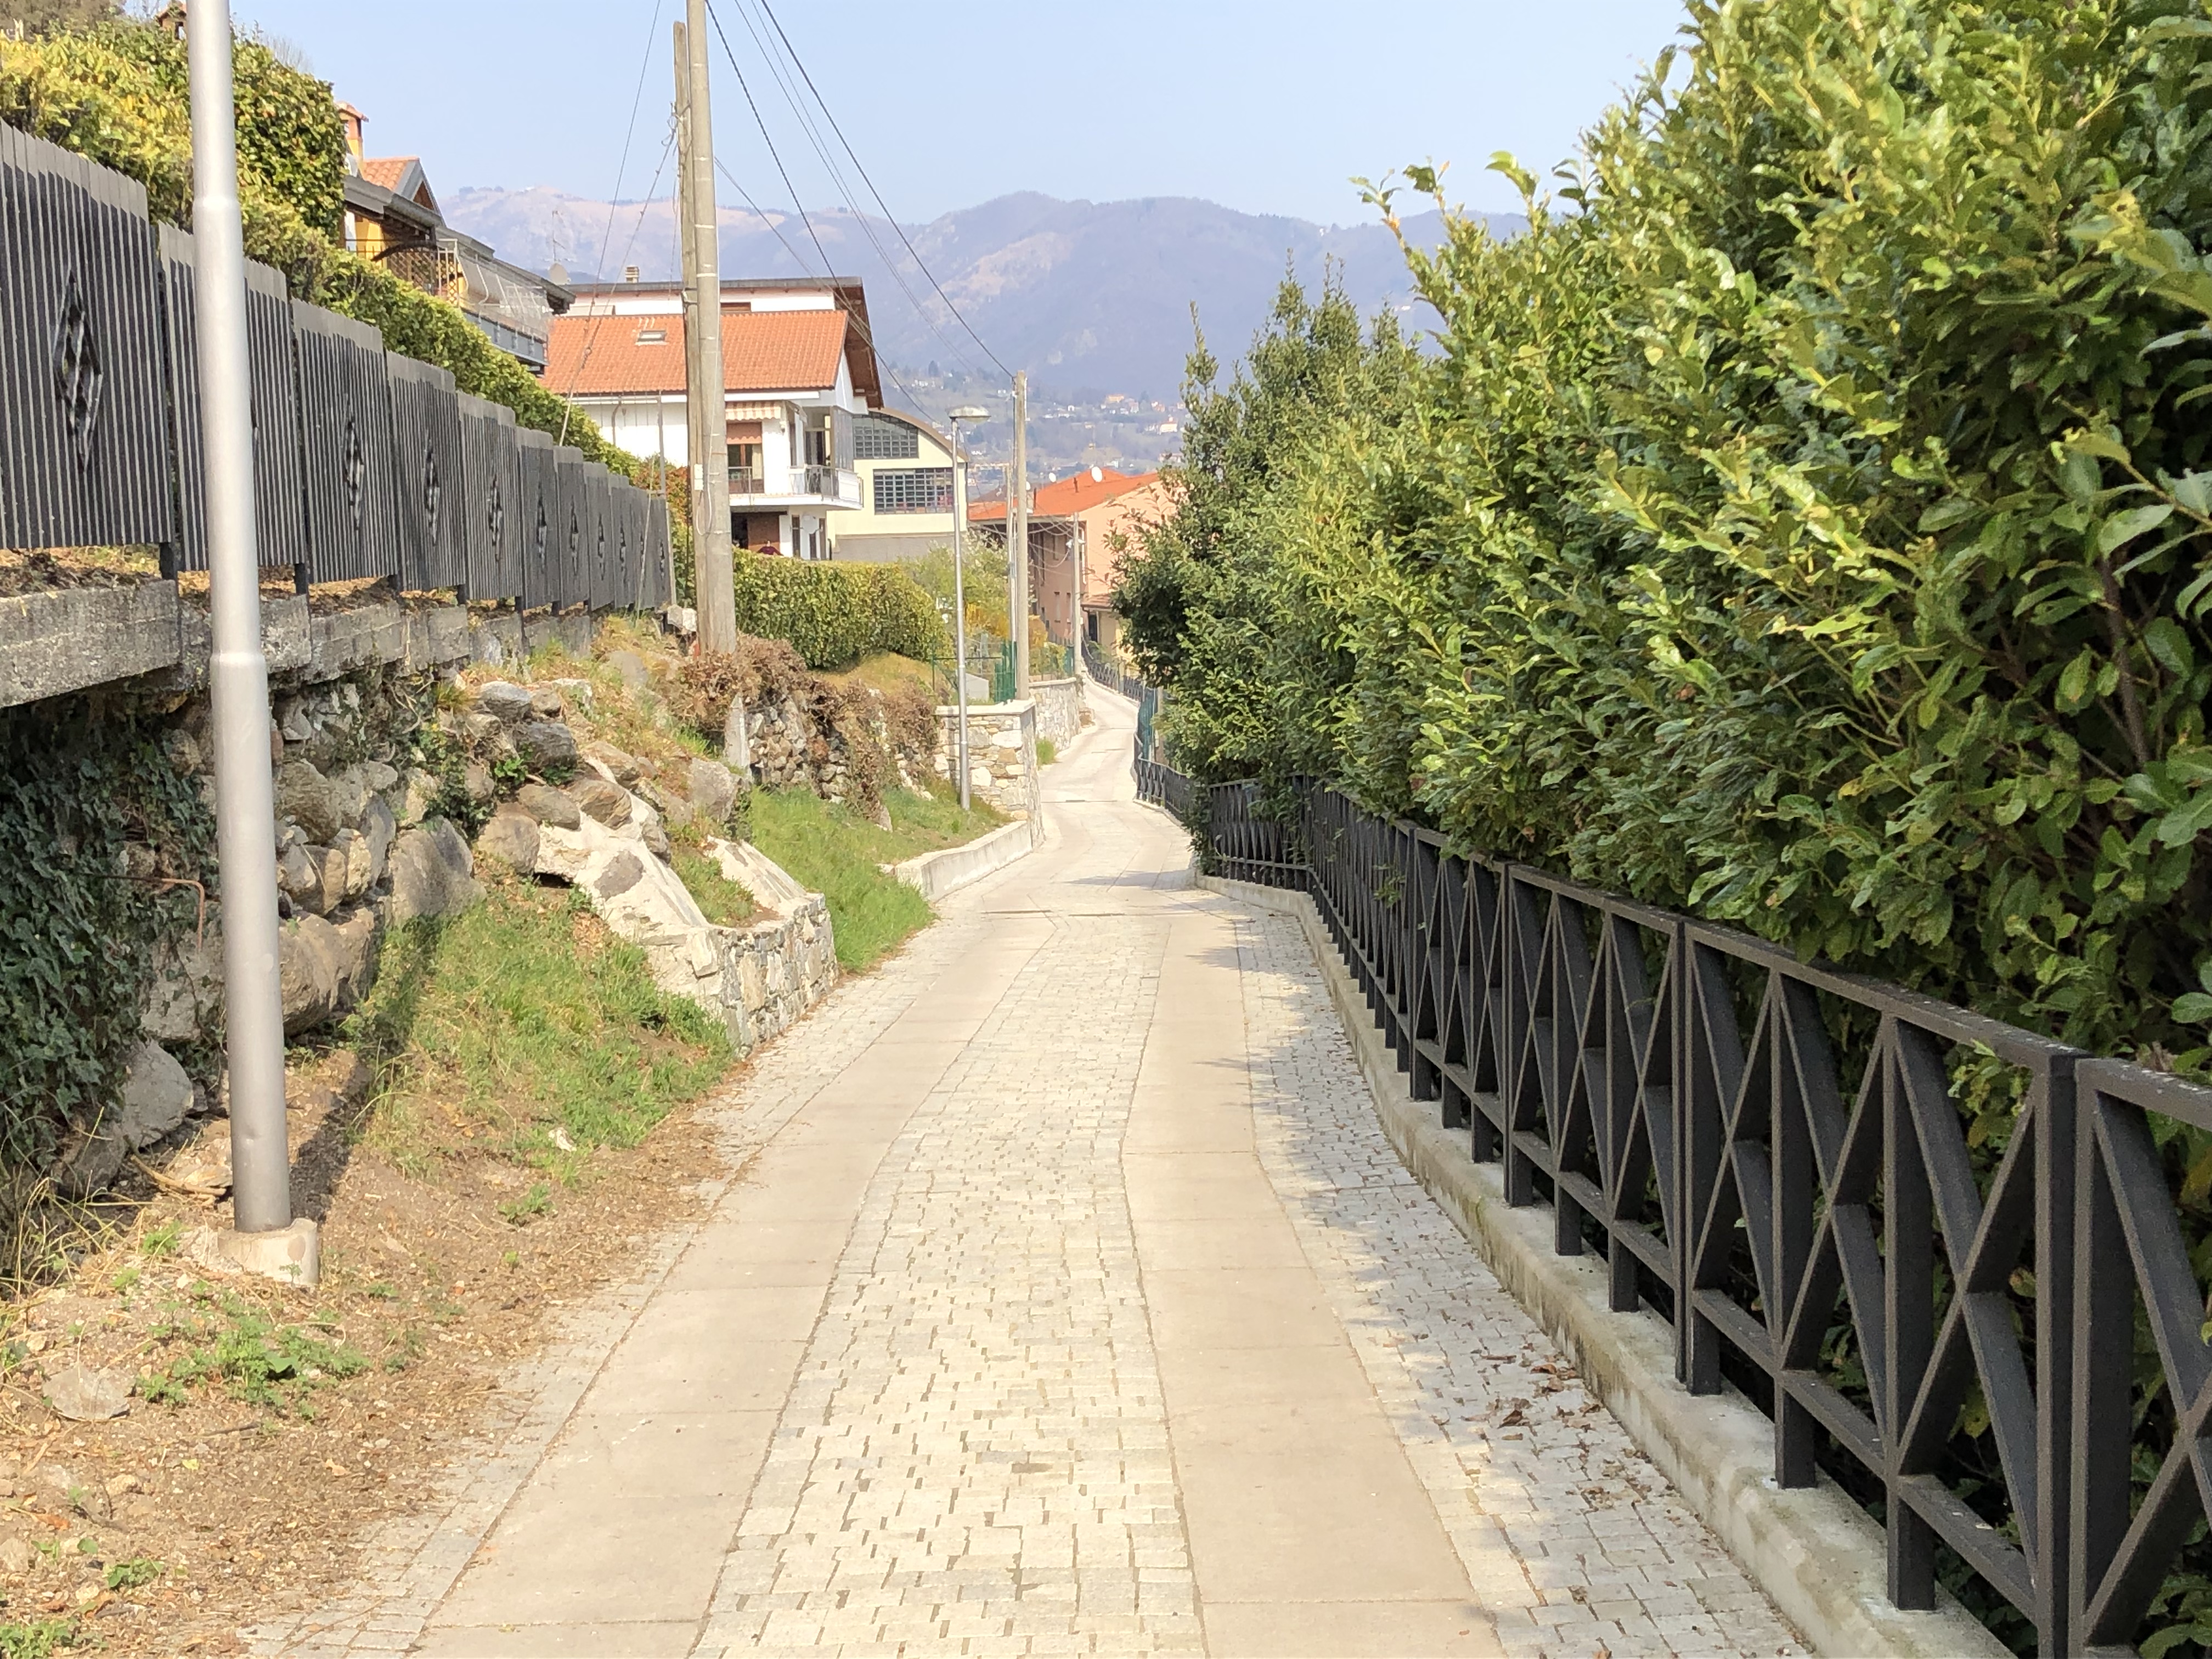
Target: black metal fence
[
  {"x": 1110, "y": 674},
  {"x": 1946, "y": 1256},
  {"x": 367, "y": 464}
]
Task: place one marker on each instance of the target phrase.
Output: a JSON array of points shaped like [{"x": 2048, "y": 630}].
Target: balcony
[{"x": 799, "y": 486}]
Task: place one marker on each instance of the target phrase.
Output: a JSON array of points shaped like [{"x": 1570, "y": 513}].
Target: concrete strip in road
[
  {"x": 615, "y": 1543},
  {"x": 1309, "y": 1532}
]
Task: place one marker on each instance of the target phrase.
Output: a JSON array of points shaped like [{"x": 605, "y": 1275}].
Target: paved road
[{"x": 1073, "y": 1303}]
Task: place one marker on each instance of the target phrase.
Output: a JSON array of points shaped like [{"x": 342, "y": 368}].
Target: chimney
[
  {"x": 629, "y": 273},
  {"x": 354, "y": 121}
]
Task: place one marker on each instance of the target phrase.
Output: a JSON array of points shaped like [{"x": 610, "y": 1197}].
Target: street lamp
[{"x": 967, "y": 412}]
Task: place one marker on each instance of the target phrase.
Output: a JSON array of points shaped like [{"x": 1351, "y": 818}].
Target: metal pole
[
  {"x": 960, "y": 606},
  {"x": 710, "y": 539},
  {"x": 1017, "y": 534},
  {"x": 246, "y": 807}
]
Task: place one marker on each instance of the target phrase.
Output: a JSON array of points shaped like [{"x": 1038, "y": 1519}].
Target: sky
[{"x": 1264, "y": 106}]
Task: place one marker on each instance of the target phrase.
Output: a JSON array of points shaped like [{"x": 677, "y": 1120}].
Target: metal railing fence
[
  {"x": 1995, "y": 1341},
  {"x": 1108, "y": 673},
  {"x": 367, "y": 464}
]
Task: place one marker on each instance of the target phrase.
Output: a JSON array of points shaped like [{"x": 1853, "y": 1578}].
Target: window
[
  {"x": 653, "y": 336},
  {"x": 913, "y": 489},
  {"x": 877, "y": 439}
]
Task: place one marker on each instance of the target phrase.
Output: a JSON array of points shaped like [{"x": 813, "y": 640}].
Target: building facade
[
  {"x": 1080, "y": 529},
  {"x": 798, "y": 375},
  {"x": 906, "y": 489}
]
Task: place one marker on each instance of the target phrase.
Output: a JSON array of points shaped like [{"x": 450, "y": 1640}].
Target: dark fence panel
[
  {"x": 1109, "y": 674},
  {"x": 601, "y": 530},
  {"x": 1779, "y": 1158},
  {"x": 568, "y": 567},
  {"x": 280, "y": 517},
  {"x": 541, "y": 516},
  {"x": 84, "y": 445},
  {"x": 494, "y": 518},
  {"x": 659, "y": 588},
  {"x": 432, "y": 485},
  {"x": 354, "y": 529}
]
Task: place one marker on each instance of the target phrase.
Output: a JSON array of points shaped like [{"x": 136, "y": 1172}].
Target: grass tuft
[{"x": 725, "y": 902}]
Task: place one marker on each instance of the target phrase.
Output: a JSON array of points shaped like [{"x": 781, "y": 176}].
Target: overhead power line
[
  {"x": 862, "y": 169},
  {"x": 812, "y": 134}
]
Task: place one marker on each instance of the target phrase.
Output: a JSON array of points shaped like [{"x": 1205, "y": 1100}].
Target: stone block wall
[
  {"x": 1060, "y": 710},
  {"x": 1002, "y": 759}
]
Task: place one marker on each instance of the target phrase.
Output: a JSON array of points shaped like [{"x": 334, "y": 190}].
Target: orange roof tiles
[
  {"x": 386, "y": 170},
  {"x": 1068, "y": 496},
  {"x": 762, "y": 351}
]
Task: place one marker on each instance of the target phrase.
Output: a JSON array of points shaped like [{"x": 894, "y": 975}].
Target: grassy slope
[
  {"x": 840, "y": 854},
  {"x": 521, "y": 1017}
]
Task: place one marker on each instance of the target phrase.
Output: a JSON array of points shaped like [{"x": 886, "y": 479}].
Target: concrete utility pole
[
  {"x": 960, "y": 589},
  {"x": 266, "y": 1238},
  {"x": 687, "y": 263},
  {"x": 710, "y": 462},
  {"x": 1017, "y": 534}
]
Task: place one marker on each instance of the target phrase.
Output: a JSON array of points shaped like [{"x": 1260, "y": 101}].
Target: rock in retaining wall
[{"x": 1002, "y": 761}]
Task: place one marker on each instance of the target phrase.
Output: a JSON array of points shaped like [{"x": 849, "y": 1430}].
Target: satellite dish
[{"x": 1097, "y": 475}]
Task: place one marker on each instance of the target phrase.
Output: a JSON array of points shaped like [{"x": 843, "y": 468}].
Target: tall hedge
[
  {"x": 835, "y": 614},
  {"x": 1813, "y": 528}
]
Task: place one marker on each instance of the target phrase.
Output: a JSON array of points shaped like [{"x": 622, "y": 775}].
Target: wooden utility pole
[
  {"x": 1017, "y": 534},
  {"x": 703, "y": 345}
]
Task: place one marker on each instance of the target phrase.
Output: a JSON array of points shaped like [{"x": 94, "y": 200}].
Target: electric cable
[
  {"x": 783, "y": 172},
  {"x": 861, "y": 168},
  {"x": 812, "y": 134}
]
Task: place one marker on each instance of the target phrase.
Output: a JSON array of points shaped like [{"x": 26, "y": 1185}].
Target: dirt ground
[{"x": 300, "y": 1419}]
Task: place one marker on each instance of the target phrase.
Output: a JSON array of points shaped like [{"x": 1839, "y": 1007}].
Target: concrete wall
[
  {"x": 1002, "y": 762},
  {"x": 144, "y": 637}
]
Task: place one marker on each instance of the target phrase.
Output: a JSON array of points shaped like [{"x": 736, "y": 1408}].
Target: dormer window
[{"x": 653, "y": 336}]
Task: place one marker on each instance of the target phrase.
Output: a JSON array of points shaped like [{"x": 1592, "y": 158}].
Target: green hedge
[
  {"x": 1813, "y": 528},
  {"x": 835, "y": 614}
]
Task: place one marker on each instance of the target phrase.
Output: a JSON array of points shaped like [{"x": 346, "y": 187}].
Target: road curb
[
  {"x": 1815, "y": 1552},
  {"x": 951, "y": 868}
]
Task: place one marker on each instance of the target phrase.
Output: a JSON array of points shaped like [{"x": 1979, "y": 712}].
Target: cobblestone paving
[
  {"x": 974, "y": 1455},
  {"x": 975, "y": 1459},
  {"x": 1575, "y": 1543}
]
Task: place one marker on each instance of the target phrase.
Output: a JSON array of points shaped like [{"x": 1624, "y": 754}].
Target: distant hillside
[{"x": 1090, "y": 297}]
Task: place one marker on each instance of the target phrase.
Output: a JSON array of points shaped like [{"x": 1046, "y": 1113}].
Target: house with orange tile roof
[
  {"x": 393, "y": 219},
  {"x": 1081, "y": 527},
  {"x": 800, "y": 378}
]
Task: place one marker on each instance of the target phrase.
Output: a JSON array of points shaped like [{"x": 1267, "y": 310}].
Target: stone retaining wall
[
  {"x": 1060, "y": 710},
  {"x": 1002, "y": 761},
  {"x": 146, "y": 637}
]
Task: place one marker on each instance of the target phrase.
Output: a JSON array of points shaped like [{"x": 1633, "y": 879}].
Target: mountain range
[{"x": 1092, "y": 297}]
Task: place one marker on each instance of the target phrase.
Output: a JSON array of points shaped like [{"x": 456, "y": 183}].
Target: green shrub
[{"x": 834, "y": 614}]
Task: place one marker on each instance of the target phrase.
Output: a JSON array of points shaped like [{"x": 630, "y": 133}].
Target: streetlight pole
[
  {"x": 960, "y": 588},
  {"x": 266, "y": 1237},
  {"x": 1017, "y": 536}
]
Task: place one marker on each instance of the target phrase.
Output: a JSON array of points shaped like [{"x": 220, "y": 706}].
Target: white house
[{"x": 798, "y": 371}]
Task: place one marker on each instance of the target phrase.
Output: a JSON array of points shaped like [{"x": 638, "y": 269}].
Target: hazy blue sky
[{"x": 1268, "y": 106}]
